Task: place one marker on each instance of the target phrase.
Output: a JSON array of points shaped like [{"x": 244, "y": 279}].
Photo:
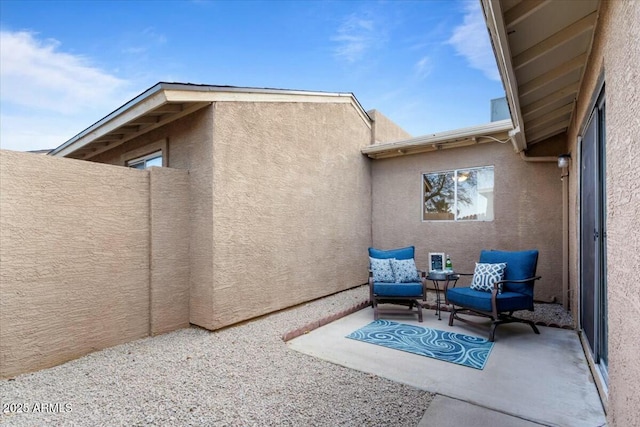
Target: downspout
[{"x": 565, "y": 216}]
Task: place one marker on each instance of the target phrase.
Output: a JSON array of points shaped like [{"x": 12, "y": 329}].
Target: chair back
[
  {"x": 401, "y": 253},
  {"x": 520, "y": 265}
]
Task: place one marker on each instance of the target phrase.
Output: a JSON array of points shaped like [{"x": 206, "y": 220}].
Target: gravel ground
[{"x": 240, "y": 376}]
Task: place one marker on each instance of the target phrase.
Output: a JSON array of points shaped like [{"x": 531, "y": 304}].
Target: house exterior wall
[
  {"x": 291, "y": 204},
  {"x": 74, "y": 250},
  {"x": 385, "y": 130},
  {"x": 616, "y": 55},
  {"x": 527, "y": 207}
]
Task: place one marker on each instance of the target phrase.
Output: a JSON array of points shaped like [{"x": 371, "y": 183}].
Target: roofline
[
  {"x": 498, "y": 36},
  {"x": 436, "y": 141},
  {"x": 187, "y": 87}
]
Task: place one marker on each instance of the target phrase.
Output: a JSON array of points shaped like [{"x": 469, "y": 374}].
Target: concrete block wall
[{"x": 76, "y": 262}]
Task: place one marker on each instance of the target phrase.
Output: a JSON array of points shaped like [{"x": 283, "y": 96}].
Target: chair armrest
[{"x": 528, "y": 279}]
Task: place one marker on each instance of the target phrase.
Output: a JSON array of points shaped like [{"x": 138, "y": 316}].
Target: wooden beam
[
  {"x": 550, "y": 116},
  {"x": 529, "y": 109},
  {"x": 168, "y": 108},
  {"x": 145, "y": 120},
  {"x": 549, "y": 76},
  {"x": 166, "y": 119},
  {"x": 557, "y": 39},
  {"x": 521, "y": 11},
  {"x": 548, "y": 131}
]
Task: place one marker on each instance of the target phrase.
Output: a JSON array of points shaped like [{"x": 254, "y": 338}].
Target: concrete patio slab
[
  {"x": 447, "y": 412},
  {"x": 542, "y": 378}
]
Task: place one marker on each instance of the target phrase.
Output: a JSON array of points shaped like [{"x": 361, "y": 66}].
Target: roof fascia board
[
  {"x": 498, "y": 35},
  {"x": 192, "y": 108},
  {"x": 150, "y": 96},
  {"x": 449, "y": 137},
  {"x": 185, "y": 93}
]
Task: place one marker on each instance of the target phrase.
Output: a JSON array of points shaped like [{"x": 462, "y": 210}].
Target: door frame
[{"x": 599, "y": 369}]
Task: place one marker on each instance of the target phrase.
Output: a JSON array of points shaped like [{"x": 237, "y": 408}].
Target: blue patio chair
[
  {"x": 502, "y": 284},
  {"x": 394, "y": 279}
]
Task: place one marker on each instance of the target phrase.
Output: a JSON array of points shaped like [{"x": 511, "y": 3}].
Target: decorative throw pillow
[
  {"x": 381, "y": 269},
  {"x": 486, "y": 275},
  {"x": 404, "y": 270}
]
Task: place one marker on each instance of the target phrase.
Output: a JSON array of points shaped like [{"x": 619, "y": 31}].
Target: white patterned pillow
[
  {"x": 381, "y": 269},
  {"x": 404, "y": 270},
  {"x": 486, "y": 275}
]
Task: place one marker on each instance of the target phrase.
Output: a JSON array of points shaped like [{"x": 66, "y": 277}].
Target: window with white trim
[
  {"x": 144, "y": 162},
  {"x": 458, "y": 195}
]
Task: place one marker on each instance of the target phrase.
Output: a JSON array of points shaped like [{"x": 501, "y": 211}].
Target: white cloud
[
  {"x": 423, "y": 67},
  {"x": 45, "y": 92},
  {"x": 356, "y": 36},
  {"x": 471, "y": 40}
]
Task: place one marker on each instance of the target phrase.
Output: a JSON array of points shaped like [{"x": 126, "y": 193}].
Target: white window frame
[
  {"x": 455, "y": 206},
  {"x": 145, "y": 159},
  {"x": 147, "y": 151}
]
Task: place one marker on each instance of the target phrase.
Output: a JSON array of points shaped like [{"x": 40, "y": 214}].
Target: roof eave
[
  {"x": 489, "y": 132},
  {"x": 499, "y": 42}
]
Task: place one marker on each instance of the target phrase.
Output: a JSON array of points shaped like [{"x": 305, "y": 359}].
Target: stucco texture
[
  {"x": 527, "y": 209},
  {"x": 74, "y": 255},
  {"x": 291, "y": 205},
  {"x": 170, "y": 265},
  {"x": 385, "y": 130},
  {"x": 190, "y": 148},
  {"x": 616, "y": 55}
]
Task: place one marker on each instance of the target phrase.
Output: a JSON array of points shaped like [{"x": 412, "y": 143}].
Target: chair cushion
[
  {"x": 401, "y": 253},
  {"x": 404, "y": 270},
  {"x": 381, "y": 269},
  {"x": 486, "y": 275},
  {"x": 479, "y": 300},
  {"x": 520, "y": 265},
  {"x": 397, "y": 289}
]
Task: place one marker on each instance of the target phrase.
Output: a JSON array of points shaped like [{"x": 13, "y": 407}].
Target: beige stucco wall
[
  {"x": 291, "y": 203},
  {"x": 385, "y": 130},
  {"x": 169, "y": 237},
  {"x": 189, "y": 144},
  {"x": 74, "y": 259},
  {"x": 616, "y": 53},
  {"x": 527, "y": 203}
]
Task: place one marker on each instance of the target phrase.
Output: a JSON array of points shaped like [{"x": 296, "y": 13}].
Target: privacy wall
[{"x": 75, "y": 259}]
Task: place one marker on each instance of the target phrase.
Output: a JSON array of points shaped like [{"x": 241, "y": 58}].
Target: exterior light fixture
[{"x": 563, "y": 160}]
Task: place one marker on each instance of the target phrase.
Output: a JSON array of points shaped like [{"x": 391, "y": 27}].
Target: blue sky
[{"x": 427, "y": 65}]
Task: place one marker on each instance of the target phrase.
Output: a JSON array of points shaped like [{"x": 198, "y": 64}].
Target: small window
[
  {"x": 144, "y": 162},
  {"x": 458, "y": 195}
]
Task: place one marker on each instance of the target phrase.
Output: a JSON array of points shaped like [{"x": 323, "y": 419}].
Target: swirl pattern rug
[{"x": 442, "y": 345}]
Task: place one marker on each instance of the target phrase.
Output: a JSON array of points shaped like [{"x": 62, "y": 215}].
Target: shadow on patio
[{"x": 527, "y": 379}]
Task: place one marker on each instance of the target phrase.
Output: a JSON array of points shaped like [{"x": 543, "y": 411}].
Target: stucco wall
[
  {"x": 527, "y": 203},
  {"x": 189, "y": 145},
  {"x": 74, "y": 255},
  {"x": 291, "y": 203},
  {"x": 169, "y": 215},
  {"x": 616, "y": 53},
  {"x": 385, "y": 130}
]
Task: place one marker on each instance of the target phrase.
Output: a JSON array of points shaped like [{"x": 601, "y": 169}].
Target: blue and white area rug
[{"x": 448, "y": 346}]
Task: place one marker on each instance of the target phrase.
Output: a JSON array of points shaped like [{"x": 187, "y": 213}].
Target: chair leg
[
  {"x": 376, "y": 315},
  {"x": 419, "y": 307},
  {"x": 452, "y": 315}
]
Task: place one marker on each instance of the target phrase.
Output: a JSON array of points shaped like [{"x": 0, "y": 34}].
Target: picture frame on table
[{"x": 436, "y": 261}]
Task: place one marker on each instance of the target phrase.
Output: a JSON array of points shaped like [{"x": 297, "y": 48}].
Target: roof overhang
[
  {"x": 541, "y": 48},
  {"x": 491, "y": 132},
  {"x": 167, "y": 102}
]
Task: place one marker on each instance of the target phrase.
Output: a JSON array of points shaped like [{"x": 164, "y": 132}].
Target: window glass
[
  {"x": 153, "y": 159},
  {"x": 458, "y": 195}
]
